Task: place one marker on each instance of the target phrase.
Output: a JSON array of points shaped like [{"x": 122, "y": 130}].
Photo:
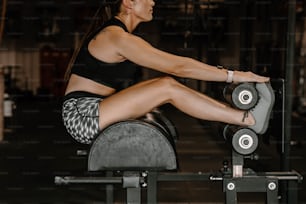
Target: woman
[{"x": 93, "y": 101}]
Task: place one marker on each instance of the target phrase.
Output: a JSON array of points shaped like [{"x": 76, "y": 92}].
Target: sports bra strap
[{"x": 116, "y": 21}]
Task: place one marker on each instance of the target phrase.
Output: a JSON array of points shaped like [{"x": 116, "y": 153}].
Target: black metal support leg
[
  {"x": 272, "y": 192},
  {"x": 237, "y": 164},
  {"x": 266, "y": 184},
  {"x": 230, "y": 192},
  {"x": 152, "y": 188},
  {"x": 133, "y": 195},
  {"x": 292, "y": 192},
  {"x": 109, "y": 190},
  {"x": 131, "y": 181}
]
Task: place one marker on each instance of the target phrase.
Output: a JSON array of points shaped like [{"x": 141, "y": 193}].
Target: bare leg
[{"x": 139, "y": 99}]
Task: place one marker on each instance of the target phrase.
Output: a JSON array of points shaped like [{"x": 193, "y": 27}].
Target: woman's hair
[{"x": 106, "y": 10}]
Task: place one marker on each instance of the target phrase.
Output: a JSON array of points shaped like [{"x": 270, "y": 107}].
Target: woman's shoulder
[{"x": 111, "y": 34}]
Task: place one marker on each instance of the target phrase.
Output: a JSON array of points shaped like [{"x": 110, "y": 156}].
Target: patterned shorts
[{"x": 80, "y": 114}]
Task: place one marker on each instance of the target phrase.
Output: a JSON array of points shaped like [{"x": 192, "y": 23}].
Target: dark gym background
[{"x": 264, "y": 36}]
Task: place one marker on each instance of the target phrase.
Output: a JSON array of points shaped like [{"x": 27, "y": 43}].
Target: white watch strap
[{"x": 230, "y": 76}]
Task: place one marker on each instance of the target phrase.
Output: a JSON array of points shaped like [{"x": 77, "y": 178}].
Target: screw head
[
  {"x": 230, "y": 186},
  {"x": 272, "y": 186}
]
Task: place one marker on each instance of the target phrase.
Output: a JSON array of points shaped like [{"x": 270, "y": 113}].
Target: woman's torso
[{"x": 96, "y": 76}]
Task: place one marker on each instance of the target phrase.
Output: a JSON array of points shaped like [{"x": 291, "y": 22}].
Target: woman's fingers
[{"x": 240, "y": 76}]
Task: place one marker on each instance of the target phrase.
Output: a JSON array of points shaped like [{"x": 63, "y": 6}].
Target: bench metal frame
[{"x": 235, "y": 180}]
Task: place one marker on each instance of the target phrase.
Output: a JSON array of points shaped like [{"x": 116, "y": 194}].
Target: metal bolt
[
  {"x": 230, "y": 186},
  {"x": 144, "y": 174},
  {"x": 245, "y": 97},
  {"x": 272, "y": 186},
  {"x": 245, "y": 141}
]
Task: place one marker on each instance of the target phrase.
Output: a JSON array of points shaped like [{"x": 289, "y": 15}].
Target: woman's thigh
[{"x": 134, "y": 101}]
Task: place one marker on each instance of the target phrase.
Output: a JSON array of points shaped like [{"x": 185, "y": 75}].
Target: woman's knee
[
  {"x": 169, "y": 87},
  {"x": 167, "y": 83}
]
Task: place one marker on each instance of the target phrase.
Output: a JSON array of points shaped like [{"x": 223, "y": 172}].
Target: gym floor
[{"x": 36, "y": 148}]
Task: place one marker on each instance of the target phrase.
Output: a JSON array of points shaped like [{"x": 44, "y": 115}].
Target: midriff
[{"x": 78, "y": 83}]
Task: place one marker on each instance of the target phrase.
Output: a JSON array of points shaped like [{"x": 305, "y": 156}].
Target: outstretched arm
[
  {"x": 142, "y": 53},
  {"x": 128, "y": 46}
]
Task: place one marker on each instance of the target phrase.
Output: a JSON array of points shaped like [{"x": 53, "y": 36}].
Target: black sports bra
[{"x": 114, "y": 75}]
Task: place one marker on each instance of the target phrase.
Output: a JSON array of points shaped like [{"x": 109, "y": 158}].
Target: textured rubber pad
[{"x": 262, "y": 111}]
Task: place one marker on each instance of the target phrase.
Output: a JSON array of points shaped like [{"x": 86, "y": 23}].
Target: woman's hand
[{"x": 240, "y": 76}]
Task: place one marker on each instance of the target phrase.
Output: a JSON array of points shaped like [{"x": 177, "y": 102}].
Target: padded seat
[{"x": 133, "y": 145}]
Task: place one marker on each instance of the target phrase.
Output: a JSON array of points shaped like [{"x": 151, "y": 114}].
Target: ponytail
[{"x": 105, "y": 12}]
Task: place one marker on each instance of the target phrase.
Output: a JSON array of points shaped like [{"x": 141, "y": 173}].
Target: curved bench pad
[{"x": 133, "y": 145}]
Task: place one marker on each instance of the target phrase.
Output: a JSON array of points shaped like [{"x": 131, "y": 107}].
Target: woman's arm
[
  {"x": 142, "y": 53},
  {"x": 137, "y": 50}
]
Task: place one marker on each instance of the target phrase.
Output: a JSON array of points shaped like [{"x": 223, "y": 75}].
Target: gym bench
[{"x": 140, "y": 153}]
